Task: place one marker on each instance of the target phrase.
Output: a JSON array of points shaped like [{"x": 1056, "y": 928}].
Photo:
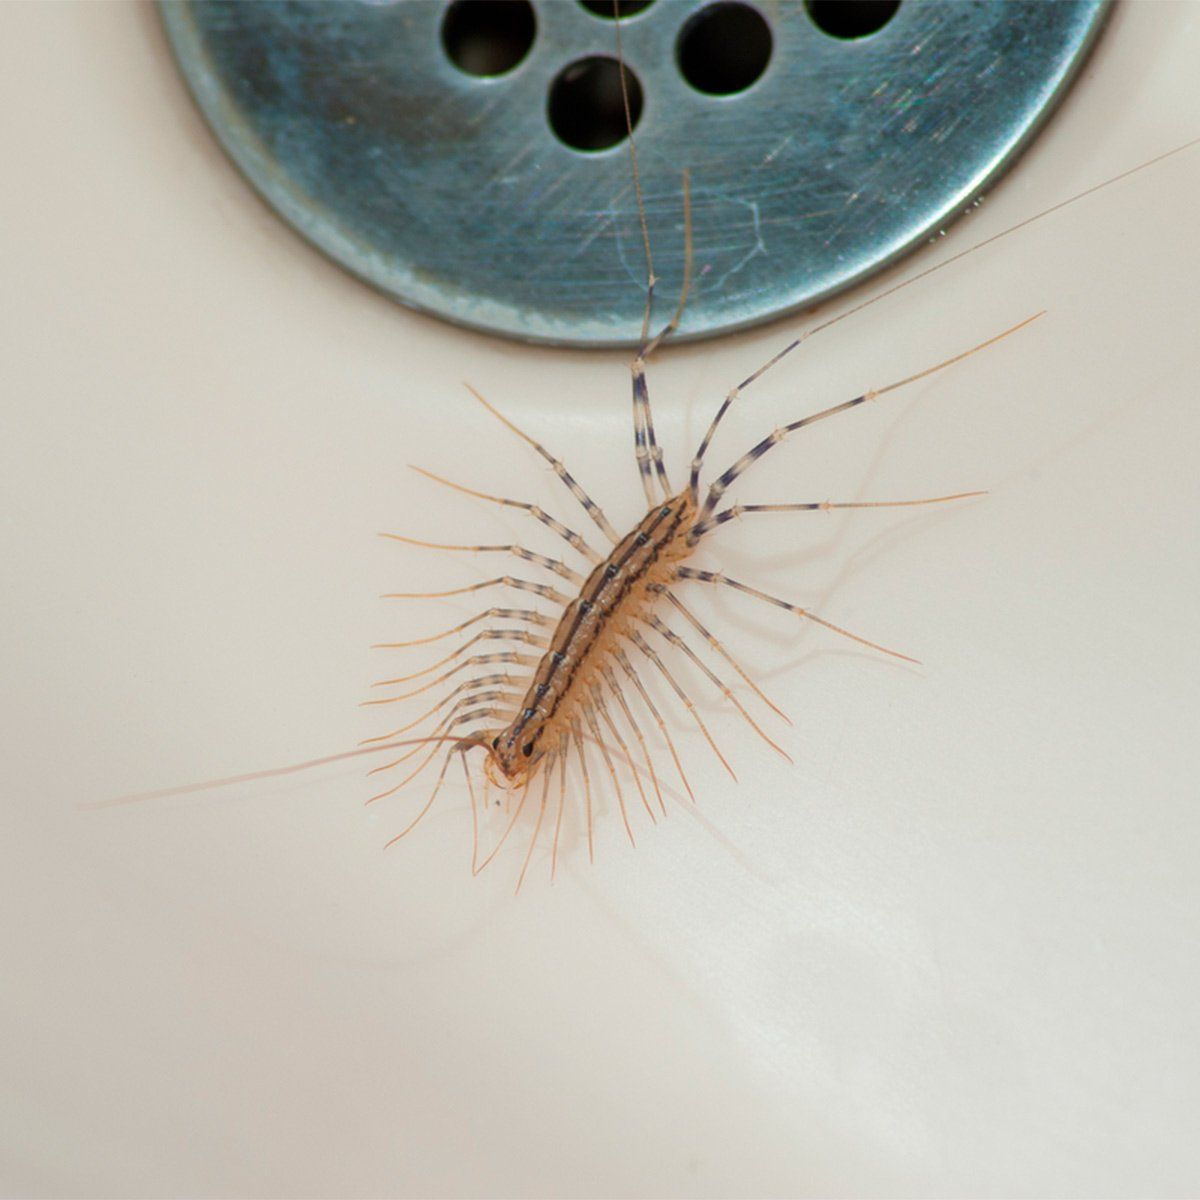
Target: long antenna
[
  {"x": 987, "y": 241},
  {"x": 803, "y": 337},
  {"x": 651, "y": 278},
  {"x": 273, "y": 772}
]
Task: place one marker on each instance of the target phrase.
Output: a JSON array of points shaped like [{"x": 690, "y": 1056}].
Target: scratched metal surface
[{"x": 451, "y": 193}]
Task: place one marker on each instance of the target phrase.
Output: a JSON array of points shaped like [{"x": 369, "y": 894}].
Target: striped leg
[
  {"x": 589, "y": 505},
  {"x": 508, "y": 614},
  {"x": 660, "y": 627},
  {"x": 590, "y": 717},
  {"x": 736, "y": 510},
  {"x": 475, "y": 659},
  {"x": 645, "y": 443},
  {"x": 577, "y": 738},
  {"x": 622, "y": 660},
  {"x": 904, "y": 283},
  {"x": 523, "y": 585},
  {"x": 719, "y": 577},
  {"x": 564, "y": 744},
  {"x": 568, "y": 535},
  {"x": 613, "y": 687},
  {"x": 649, "y": 651},
  {"x": 692, "y": 620},
  {"x": 550, "y": 564},
  {"x": 723, "y": 482},
  {"x": 476, "y": 695},
  {"x": 527, "y": 615},
  {"x": 606, "y": 715}
]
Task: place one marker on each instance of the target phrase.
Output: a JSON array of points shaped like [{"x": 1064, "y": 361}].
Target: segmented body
[
  {"x": 561, "y": 710},
  {"x": 532, "y": 726},
  {"x": 614, "y": 598}
]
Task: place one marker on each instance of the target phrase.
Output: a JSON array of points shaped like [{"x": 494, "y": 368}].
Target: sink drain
[{"x": 469, "y": 158}]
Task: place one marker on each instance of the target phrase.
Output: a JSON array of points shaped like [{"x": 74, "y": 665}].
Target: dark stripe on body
[{"x": 562, "y": 642}]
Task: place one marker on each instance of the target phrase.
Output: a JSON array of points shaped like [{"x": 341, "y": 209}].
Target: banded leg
[
  {"x": 577, "y": 738},
  {"x": 736, "y": 510},
  {"x": 695, "y": 623},
  {"x": 645, "y": 444},
  {"x": 477, "y": 693},
  {"x": 509, "y": 614},
  {"x": 646, "y": 449},
  {"x": 487, "y": 635},
  {"x": 602, "y": 705},
  {"x": 590, "y": 717},
  {"x": 551, "y": 564},
  {"x": 592, "y": 509},
  {"x": 649, "y": 651},
  {"x": 665, "y": 631},
  {"x": 622, "y": 660},
  {"x": 522, "y": 585},
  {"x": 563, "y": 747},
  {"x": 719, "y": 577},
  {"x": 904, "y": 283},
  {"x": 467, "y": 686},
  {"x": 614, "y": 688},
  {"x": 717, "y": 489},
  {"x": 574, "y": 540}
]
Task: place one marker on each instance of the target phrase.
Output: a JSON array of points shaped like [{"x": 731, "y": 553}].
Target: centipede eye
[{"x": 527, "y": 749}]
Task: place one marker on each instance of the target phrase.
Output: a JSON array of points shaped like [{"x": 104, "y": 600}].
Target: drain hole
[
  {"x": 848, "y": 19},
  {"x": 586, "y": 110},
  {"x": 724, "y": 48},
  {"x": 488, "y": 37},
  {"x": 625, "y": 8}
]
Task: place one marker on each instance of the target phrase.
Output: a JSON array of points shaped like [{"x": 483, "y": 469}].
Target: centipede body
[
  {"x": 501, "y": 696},
  {"x": 531, "y": 727}
]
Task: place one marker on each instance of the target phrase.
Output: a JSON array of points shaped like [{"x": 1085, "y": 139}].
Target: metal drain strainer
[{"x": 469, "y": 158}]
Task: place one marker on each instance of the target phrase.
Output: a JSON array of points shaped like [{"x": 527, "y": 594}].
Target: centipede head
[
  {"x": 514, "y": 751},
  {"x": 494, "y": 763}
]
